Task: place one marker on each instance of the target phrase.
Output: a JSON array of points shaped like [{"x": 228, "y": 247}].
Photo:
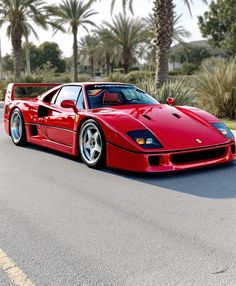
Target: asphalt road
[{"x": 64, "y": 224}]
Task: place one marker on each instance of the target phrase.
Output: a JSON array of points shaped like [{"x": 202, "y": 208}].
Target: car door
[{"x": 59, "y": 124}]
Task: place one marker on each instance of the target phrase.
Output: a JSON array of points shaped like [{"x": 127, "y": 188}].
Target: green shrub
[
  {"x": 137, "y": 76},
  {"x": 3, "y": 86},
  {"x": 174, "y": 72},
  {"x": 188, "y": 69},
  {"x": 133, "y": 77},
  {"x": 116, "y": 77},
  {"x": 27, "y": 92},
  {"x": 134, "y": 69},
  {"x": 215, "y": 87},
  {"x": 120, "y": 70},
  {"x": 179, "y": 89},
  {"x": 62, "y": 78},
  {"x": 84, "y": 77},
  {"x": 148, "y": 85}
]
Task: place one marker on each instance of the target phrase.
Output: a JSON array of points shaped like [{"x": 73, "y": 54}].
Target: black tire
[
  {"x": 92, "y": 149},
  {"x": 17, "y": 128}
]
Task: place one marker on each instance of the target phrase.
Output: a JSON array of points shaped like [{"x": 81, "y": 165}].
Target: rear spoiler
[{"x": 11, "y": 88}]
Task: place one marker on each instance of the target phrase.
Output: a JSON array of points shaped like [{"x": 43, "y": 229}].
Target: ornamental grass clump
[
  {"x": 215, "y": 87},
  {"x": 180, "y": 89}
]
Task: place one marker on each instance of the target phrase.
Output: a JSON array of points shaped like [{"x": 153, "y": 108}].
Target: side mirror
[
  {"x": 170, "y": 101},
  {"x": 69, "y": 104}
]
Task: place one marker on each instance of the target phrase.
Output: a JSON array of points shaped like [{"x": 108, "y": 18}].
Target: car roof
[
  {"x": 97, "y": 82},
  {"x": 42, "y": 96}
]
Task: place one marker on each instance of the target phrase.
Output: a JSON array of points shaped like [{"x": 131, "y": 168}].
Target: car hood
[{"x": 175, "y": 128}]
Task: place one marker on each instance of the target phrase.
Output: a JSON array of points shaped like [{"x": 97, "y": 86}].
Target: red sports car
[{"x": 118, "y": 125}]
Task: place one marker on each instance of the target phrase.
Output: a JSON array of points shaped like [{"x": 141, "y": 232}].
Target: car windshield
[{"x": 104, "y": 95}]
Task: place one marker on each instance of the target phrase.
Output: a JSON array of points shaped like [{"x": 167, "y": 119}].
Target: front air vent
[
  {"x": 191, "y": 157},
  {"x": 233, "y": 149},
  {"x": 147, "y": 117},
  {"x": 176, "y": 115}
]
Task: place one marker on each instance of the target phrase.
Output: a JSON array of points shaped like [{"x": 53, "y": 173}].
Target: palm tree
[
  {"x": 164, "y": 26},
  {"x": 18, "y": 14},
  {"x": 1, "y": 61},
  {"x": 178, "y": 36},
  {"x": 107, "y": 54},
  {"x": 128, "y": 33},
  {"x": 164, "y": 21},
  {"x": 75, "y": 13},
  {"x": 179, "y": 31},
  {"x": 88, "y": 47}
]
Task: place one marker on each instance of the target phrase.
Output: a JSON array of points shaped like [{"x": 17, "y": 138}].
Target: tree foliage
[
  {"x": 191, "y": 54},
  {"x": 46, "y": 52},
  {"x": 75, "y": 14},
  {"x": 219, "y": 25},
  {"x": 19, "y": 14},
  {"x": 89, "y": 44},
  {"x": 8, "y": 63},
  {"x": 128, "y": 33}
]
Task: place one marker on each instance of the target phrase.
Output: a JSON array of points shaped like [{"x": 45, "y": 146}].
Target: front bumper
[{"x": 120, "y": 158}]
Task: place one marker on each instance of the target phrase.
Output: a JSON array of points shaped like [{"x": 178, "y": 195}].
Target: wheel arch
[{"x": 99, "y": 122}]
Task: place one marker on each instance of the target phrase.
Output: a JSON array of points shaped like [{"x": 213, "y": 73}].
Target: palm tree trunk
[
  {"x": 75, "y": 53},
  {"x": 112, "y": 66},
  {"x": 92, "y": 66},
  {"x": 126, "y": 60},
  {"x": 16, "y": 39},
  {"x": 1, "y": 62},
  {"x": 164, "y": 21},
  {"x": 107, "y": 64},
  {"x": 27, "y": 55}
]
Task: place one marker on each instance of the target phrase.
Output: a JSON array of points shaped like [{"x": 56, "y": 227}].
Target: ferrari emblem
[
  {"x": 199, "y": 141},
  {"x": 76, "y": 118}
]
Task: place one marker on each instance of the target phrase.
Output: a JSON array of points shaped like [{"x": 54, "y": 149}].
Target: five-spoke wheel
[
  {"x": 17, "y": 128},
  {"x": 91, "y": 144}
]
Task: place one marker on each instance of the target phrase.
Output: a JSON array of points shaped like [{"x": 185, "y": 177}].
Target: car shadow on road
[{"x": 217, "y": 182}]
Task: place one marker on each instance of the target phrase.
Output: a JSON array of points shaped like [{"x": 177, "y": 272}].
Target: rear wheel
[
  {"x": 92, "y": 144},
  {"x": 17, "y": 128}
]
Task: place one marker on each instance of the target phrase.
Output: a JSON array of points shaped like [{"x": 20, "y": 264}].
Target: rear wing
[{"x": 10, "y": 91}]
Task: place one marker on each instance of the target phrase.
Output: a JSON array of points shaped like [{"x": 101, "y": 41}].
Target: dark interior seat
[{"x": 112, "y": 98}]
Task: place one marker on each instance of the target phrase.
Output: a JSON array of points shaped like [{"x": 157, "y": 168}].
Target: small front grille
[
  {"x": 192, "y": 157},
  {"x": 233, "y": 148},
  {"x": 154, "y": 160}
]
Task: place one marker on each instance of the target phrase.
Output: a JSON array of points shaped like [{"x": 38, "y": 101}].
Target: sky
[{"x": 141, "y": 8}]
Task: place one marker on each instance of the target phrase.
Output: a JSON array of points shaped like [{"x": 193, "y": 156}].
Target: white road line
[{"x": 16, "y": 276}]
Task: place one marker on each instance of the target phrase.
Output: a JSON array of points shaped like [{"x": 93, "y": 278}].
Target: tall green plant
[
  {"x": 163, "y": 12},
  {"x": 128, "y": 33},
  {"x": 215, "y": 86},
  {"x": 19, "y": 14},
  {"x": 179, "y": 89},
  {"x": 107, "y": 54},
  {"x": 75, "y": 13},
  {"x": 88, "y": 48}
]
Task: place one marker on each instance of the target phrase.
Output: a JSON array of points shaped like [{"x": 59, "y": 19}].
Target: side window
[
  {"x": 68, "y": 93},
  {"x": 80, "y": 102}
]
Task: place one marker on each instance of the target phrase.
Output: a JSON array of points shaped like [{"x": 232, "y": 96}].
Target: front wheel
[
  {"x": 92, "y": 144},
  {"x": 17, "y": 128}
]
